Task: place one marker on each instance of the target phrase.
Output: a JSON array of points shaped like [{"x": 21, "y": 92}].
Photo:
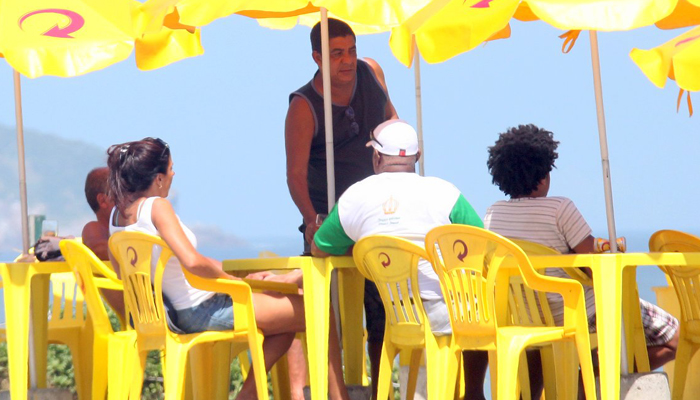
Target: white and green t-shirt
[{"x": 400, "y": 204}]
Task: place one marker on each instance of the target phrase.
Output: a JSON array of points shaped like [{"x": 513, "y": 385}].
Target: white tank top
[{"x": 175, "y": 286}]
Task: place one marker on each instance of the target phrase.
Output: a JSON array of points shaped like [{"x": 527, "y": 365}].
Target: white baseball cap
[{"x": 394, "y": 137}]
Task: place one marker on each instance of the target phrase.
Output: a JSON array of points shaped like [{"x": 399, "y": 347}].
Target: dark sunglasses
[
  {"x": 354, "y": 126},
  {"x": 374, "y": 139}
]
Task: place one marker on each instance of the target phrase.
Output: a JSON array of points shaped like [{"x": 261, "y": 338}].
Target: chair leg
[
  {"x": 386, "y": 363},
  {"x": 586, "y": 362},
  {"x": 493, "y": 369},
  {"x": 174, "y": 373},
  {"x": 255, "y": 340},
  {"x": 414, "y": 367},
  {"x": 524, "y": 378},
  {"x": 508, "y": 355},
  {"x": 567, "y": 383},
  {"x": 124, "y": 367},
  {"x": 442, "y": 361},
  {"x": 548, "y": 372},
  {"x": 215, "y": 358},
  {"x": 99, "y": 367},
  {"x": 684, "y": 354}
]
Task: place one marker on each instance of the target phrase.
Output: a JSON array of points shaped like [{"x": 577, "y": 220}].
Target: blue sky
[{"x": 223, "y": 115}]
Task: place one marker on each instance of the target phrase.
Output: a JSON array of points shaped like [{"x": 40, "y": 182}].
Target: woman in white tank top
[{"x": 141, "y": 173}]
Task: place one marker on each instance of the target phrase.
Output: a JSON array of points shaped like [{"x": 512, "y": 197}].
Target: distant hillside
[{"x": 56, "y": 170}]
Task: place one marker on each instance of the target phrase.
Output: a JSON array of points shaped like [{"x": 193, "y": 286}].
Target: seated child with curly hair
[{"x": 520, "y": 163}]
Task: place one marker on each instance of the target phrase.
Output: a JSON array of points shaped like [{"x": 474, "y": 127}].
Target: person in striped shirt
[{"x": 520, "y": 163}]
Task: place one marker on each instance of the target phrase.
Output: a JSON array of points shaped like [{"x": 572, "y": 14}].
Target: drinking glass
[{"x": 49, "y": 227}]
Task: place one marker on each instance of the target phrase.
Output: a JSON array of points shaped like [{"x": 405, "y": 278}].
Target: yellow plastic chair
[
  {"x": 468, "y": 262},
  {"x": 66, "y": 325},
  {"x": 144, "y": 300},
  {"x": 686, "y": 281},
  {"x": 530, "y": 308},
  {"x": 637, "y": 356},
  {"x": 85, "y": 264},
  {"x": 392, "y": 263}
]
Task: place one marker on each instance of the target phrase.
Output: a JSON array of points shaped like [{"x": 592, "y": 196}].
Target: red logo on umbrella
[
  {"x": 463, "y": 253},
  {"x": 483, "y": 4},
  {"x": 76, "y": 21},
  {"x": 686, "y": 40}
]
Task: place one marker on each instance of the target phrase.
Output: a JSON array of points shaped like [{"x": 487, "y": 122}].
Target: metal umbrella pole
[
  {"x": 327, "y": 107},
  {"x": 419, "y": 106},
  {"x": 24, "y": 212},
  {"x": 607, "y": 184},
  {"x": 605, "y": 159}
]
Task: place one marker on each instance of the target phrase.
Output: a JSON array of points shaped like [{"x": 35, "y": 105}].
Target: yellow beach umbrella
[
  {"x": 677, "y": 59},
  {"x": 203, "y": 12},
  {"x": 75, "y": 37},
  {"x": 460, "y": 26},
  {"x": 79, "y": 36}
]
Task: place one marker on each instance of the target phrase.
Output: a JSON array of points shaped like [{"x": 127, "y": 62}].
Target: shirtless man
[{"x": 96, "y": 233}]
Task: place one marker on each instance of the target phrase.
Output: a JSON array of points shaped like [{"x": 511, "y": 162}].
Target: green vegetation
[{"x": 60, "y": 373}]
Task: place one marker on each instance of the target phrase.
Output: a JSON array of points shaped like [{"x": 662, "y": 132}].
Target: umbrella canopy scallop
[
  {"x": 458, "y": 26},
  {"x": 686, "y": 13},
  {"x": 677, "y": 59}
]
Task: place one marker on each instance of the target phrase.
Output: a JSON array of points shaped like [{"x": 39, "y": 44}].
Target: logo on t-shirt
[{"x": 390, "y": 206}]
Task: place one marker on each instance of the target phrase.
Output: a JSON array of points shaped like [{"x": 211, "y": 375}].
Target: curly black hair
[{"x": 521, "y": 158}]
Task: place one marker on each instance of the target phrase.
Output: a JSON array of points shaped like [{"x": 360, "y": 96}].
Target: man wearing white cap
[{"x": 396, "y": 201}]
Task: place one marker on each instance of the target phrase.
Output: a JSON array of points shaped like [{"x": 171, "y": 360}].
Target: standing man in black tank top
[{"x": 360, "y": 103}]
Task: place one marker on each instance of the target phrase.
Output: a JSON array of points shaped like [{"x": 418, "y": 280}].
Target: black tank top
[{"x": 353, "y": 161}]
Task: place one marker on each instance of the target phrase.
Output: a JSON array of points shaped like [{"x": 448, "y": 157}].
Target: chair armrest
[
  {"x": 228, "y": 285},
  {"x": 107, "y": 283},
  {"x": 550, "y": 284},
  {"x": 579, "y": 275},
  {"x": 286, "y": 288}
]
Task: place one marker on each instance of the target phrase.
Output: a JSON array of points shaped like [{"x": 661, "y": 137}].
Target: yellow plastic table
[
  {"x": 609, "y": 270},
  {"x": 22, "y": 281},
  {"x": 317, "y": 280}
]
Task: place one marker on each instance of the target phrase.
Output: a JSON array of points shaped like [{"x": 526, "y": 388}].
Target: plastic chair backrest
[
  {"x": 392, "y": 263},
  {"x": 467, "y": 260},
  {"x": 529, "y": 308},
  {"x": 67, "y": 308},
  {"x": 134, "y": 251},
  {"x": 686, "y": 279},
  {"x": 84, "y": 264}
]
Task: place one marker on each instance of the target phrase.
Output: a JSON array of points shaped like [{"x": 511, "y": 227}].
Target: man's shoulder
[
  {"x": 90, "y": 227},
  {"x": 304, "y": 91},
  {"x": 439, "y": 185}
]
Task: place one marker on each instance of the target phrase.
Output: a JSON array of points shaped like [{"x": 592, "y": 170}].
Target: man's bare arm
[
  {"x": 298, "y": 134},
  {"x": 390, "y": 111}
]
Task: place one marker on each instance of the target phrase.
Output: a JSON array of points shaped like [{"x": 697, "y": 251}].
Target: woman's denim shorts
[{"x": 213, "y": 314}]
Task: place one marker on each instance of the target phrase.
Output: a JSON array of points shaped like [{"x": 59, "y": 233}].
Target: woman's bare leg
[
  {"x": 336, "y": 383},
  {"x": 274, "y": 347},
  {"x": 280, "y": 317}
]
